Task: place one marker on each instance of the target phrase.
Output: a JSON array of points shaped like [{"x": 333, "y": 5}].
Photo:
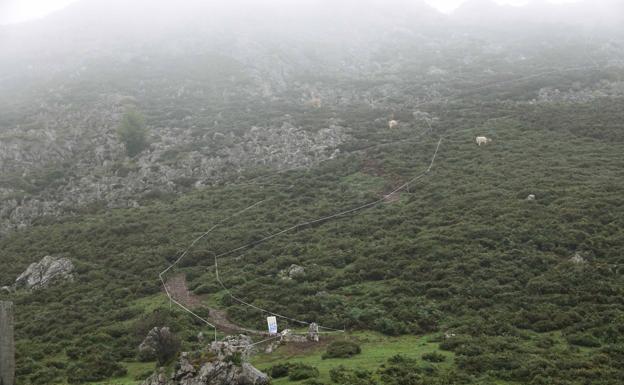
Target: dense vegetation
[
  {"x": 505, "y": 290},
  {"x": 462, "y": 253}
]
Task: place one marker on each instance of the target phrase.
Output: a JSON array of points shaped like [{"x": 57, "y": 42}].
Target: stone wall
[{"x": 7, "y": 345}]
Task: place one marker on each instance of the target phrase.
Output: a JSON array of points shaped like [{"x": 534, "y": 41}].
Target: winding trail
[{"x": 177, "y": 287}]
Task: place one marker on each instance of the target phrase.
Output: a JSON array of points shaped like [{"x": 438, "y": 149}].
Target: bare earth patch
[{"x": 178, "y": 289}]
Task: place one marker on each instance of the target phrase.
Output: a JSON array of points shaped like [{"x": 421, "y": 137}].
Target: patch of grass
[{"x": 376, "y": 350}]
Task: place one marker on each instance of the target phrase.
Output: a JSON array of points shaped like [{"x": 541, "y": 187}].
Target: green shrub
[
  {"x": 342, "y": 349},
  {"x": 143, "y": 375},
  {"x": 132, "y": 133},
  {"x": 434, "y": 357},
  {"x": 585, "y": 340},
  {"x": 298, "y": 371},
  {"x": 313, "y": 382},
  {"x": 279, "y": 371}
]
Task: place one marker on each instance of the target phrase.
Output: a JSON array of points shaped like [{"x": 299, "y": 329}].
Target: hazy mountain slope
[
  {"x": 462, "y": 252},
  {"x": 294, "y": 111},
  {"x": 195, "y": 69}
]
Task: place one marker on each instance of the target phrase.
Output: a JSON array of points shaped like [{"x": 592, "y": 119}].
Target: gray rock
[
  {"x": 288, "y": 336},
  {"x": 222, "y": 369},
  {"x": 578, "y": 259},
  {"x": 313, "y": 332},
  {"x": 158, "y": 378},
  {"x": 148, "y": 349},
  {"x": 233, "y": 345},
  {"x": 41, "y": 274},
  {"x": 294, "y": 271}
]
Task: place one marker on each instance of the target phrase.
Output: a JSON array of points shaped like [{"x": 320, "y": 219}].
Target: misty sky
[{"x": 12, "y": 11}]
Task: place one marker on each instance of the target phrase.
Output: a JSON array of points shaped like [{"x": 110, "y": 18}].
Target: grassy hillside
[{"x": 461, "y": 251}]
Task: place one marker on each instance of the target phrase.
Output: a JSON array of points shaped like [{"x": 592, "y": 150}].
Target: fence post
[{"x": 7, "y": 344}]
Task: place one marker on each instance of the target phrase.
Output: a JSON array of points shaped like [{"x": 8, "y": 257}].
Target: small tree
[{"x": 132, "y": 133}]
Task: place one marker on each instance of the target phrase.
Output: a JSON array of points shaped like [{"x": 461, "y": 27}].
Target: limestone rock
[
  {"x": 313, "y": 332},
  {"x": 287, "y": 336},
  {"x": 578, "y": 259},
  {"x": 294, "y": 271},
  {"x": 148, "y": 349},
  {"x": 41, "y": 274},
  {"x": 233, "y": 345},
  {"x": 158, "y": 378},
  {"x": 221, "y": 368}
]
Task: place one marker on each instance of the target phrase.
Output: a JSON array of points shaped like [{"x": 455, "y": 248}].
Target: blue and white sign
[{"x": 272, "y": 322}]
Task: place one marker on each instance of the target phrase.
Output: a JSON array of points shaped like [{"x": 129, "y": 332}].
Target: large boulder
[
  {"x": 156, "y": 340},
  {"x": 45, "y": 272}
]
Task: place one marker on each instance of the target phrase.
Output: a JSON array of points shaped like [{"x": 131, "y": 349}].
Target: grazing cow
[
  {"x": 483, "y": 140},
  {"x": 393, "y": 124}
]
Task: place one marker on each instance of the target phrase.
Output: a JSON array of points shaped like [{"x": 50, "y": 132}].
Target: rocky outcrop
[
  {"x": 78, "y": 161},
  {"x": 225, "y": 365},
  {"x": 45, "y": 272},
  {"x": 313, "y": 332},
  {"x": 230, "y": 346},
  {"x": 292, "y": 272},
  {"x": 148, "y": 349}
]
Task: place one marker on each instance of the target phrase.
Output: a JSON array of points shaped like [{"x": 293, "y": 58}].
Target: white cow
[
  {"x": 483, "y": 140},
  {"x": 393, "y": 124}
]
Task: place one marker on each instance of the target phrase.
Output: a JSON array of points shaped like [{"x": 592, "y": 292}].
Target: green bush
[
  {"x": 299, "y": 371},
  {"x": 585, "y": 340},
  {"x": 313, "y": 382},
  {"x": 132, "y": 132},
  {"x": 434, "y": 357},
  {"x": 279, "y": 371},
  {"x": 342, "y": 349},
  {"x": 95, "y": 367}
]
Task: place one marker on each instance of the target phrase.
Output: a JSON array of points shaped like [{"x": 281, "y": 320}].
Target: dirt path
[
  {"x": 219, "y": 318},
  {"x": 178, "y": 288}
]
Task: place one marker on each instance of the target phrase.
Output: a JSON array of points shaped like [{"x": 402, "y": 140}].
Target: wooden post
[{"x": 7, "y": 344}]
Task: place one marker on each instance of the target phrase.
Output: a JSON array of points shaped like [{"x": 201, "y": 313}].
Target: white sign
[{"x": 272, "y": 322}]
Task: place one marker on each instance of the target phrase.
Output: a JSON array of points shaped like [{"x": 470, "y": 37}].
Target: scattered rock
[
  {"x": 294, "y": 271},
  {"x": 42, "y": 274},
  {"x": 233, "y": 345},
  {"x": 287, "y": 336},
  {"x": 578, "y": 259},
  {"x": 226, "y": 366},
  {"x": 6, "y": 289},
  {"x": 448, "y": 335},
  {"x": 313, "y": 332}
]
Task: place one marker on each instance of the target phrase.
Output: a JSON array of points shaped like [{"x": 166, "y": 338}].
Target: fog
[
  {"x": 110, "y": 22},
  {"x": 250, "y": 31}
]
